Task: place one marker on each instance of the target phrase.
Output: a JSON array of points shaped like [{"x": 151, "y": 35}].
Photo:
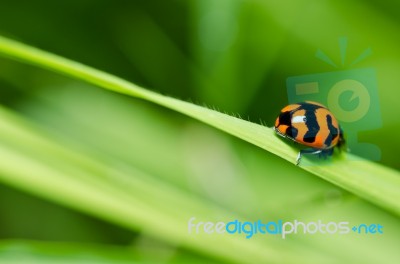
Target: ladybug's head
[{"x": 282, "y": 123}]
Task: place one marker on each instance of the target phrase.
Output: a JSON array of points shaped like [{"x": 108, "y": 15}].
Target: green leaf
[
  {"x": 134, "y": 201},
  {"x": 31, "y": 160},
  {"x": 15, "y": 251},
  {"x": 371, "y": 181},
  {"x": 23, "y": 251}
]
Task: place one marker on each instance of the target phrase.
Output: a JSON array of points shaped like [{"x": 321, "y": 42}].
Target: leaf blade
[{"x": 370, "y": 181}]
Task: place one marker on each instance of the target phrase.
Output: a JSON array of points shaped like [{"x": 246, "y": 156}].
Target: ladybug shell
[{"x": 310, "y": 124}]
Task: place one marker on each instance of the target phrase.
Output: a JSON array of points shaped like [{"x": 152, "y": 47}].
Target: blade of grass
[
  {"x": 26, "y": 251},
  {"x": 16, "y": 251},
  {"x": 132, "y": 201},
  {"x": 306, "y": 196},
  {"x": 371, "y": 181}
]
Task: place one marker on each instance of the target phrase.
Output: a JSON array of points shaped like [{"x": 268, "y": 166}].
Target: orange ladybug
[{"x": 310, "y": 124}]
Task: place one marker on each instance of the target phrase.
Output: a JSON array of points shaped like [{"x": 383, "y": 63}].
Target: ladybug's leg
[
  {"x": 307, "y": 151},
  {"x": 325, "y": 153}
]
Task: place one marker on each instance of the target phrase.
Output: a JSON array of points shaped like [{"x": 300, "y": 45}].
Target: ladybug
[{"x": 310, "y": 124}]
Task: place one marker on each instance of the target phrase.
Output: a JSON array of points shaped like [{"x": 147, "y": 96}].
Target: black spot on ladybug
[
  {"x": 284, "y": 118},
  {"x": 333, "y": 131},
  {"x": 288, "y": 132},
  {"x": 294, "y": 132},
  {"x": 291, "y": 132},
  {"x": 312, "y": 126},
  {"x": 309, "y": 107}
]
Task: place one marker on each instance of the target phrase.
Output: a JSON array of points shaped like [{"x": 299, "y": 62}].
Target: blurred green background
[{"x": 231, "y": 55}]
